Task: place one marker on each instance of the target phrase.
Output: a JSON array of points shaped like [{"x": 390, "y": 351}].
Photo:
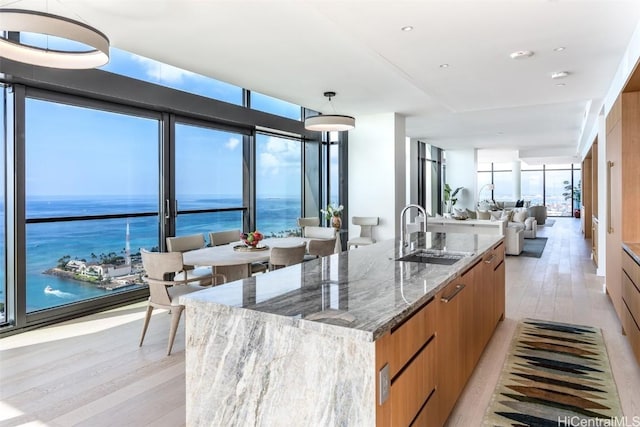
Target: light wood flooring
[{"x": 90, "y": 371}]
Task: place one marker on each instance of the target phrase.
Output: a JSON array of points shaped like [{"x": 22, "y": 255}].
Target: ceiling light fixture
[
  {"x": 444, "y": 65},
  {"x": 559, "y": 74},
  {"x": 407, "y": 28},
  {"x": 559, "y": 49},
  {"x": 329, "y": 122},
  {"x": 17, "y": 20},
  {"x": 521, "y": 54}
]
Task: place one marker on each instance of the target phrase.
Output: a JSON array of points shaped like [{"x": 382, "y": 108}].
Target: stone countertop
[
  {"x": 358, "y": 294},
  {"x": 633, "y": 249}
]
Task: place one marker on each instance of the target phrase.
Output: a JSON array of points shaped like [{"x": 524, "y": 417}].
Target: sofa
[
  {"x": 516, "y": 218},
  {"x": 513, "y": 232}
]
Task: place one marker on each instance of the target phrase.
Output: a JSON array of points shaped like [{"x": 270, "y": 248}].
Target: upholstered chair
[
  {"x": 217, "y": 238},
  {"x": 284, "y": 257},
  {"x": 365, "y": 236},
  {"x": 189, "y": 243},
  {"x": 164, "y": 292}
]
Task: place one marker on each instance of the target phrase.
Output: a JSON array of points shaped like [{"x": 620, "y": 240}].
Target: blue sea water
[{"x": 49, "y": 242}]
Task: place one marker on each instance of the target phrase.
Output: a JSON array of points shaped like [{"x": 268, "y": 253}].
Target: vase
[{"x": 336, "y": 222}]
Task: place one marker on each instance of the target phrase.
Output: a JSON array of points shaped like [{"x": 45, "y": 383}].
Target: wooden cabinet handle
[
  {"x": 490, "y": 260},
  {"x": 453, "y": 294},
  {"x": 610, "y": 164}
]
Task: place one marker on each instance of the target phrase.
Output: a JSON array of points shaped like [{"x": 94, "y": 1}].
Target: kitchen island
[{"x": 349, "y": 339}]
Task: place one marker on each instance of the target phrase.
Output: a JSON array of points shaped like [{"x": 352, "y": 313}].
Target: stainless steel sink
[{"x": 434, "y": 256}]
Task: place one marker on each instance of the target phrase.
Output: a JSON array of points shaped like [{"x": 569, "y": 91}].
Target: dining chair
[
  {"x": 284, "y": 257},
  {"x": 365, "y": 237},
  {"x": 185, "y": 243},
  {"x": 161, "y": 272},
  {"x": 304, "y": 222},
  {"x": 313, "y": 231},
  {"x": 189, "y": 243},
  {"x": 217, "y": 238},
  {"x": 321, "y": 247}
]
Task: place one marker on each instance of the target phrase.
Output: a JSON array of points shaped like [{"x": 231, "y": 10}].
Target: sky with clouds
[{"x": 114, "y": 154}]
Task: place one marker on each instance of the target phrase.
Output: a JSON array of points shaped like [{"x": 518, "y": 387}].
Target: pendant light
[
  {"x": 18, "y": 20},
  {"x": 329, "y": 122}
]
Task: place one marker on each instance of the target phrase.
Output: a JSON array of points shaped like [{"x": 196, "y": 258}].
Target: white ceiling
[{"x": 297, "y": 49}]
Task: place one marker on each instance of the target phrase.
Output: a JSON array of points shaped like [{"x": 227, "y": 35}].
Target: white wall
[
  {"x": 602, "y": 196},
  {"x": 461, "y": 172},
  {"x": 625, "y": 68},
  {"x": 412, "y": 170},
  {"x": 377, "y": 172}
]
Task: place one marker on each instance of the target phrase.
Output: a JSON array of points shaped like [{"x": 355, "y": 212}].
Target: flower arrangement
[
  {"x": 332, "y": 211},
  {"x": 334, "y": 215},
  {"x": 252, "y": 238}
]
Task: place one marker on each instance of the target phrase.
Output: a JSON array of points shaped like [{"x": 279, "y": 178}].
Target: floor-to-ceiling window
[
  {"x": 5, "y": 122},
  {"x": 548, "y": 185},
  {"x": 208, "y": 180},
  {"x": 532, "y": 184},
  {"x": 555, "y": 177},
  {"x": 278, "y": 184},
  {"x": 91, "y": 195},
  {"x": 108, "y": 165}
]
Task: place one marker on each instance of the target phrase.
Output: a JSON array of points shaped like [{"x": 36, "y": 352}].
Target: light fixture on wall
[
  {"x": 491, "y": 187},
  {"x": 329, "y": 122},
  {"x": 18, "y": 20}
]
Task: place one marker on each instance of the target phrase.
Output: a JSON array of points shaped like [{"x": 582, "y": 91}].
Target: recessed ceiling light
[
  {"x": 520, "y": 54},
  {"x": 407, "y": 28},
  {"x": 444, "y": 65},
  {"x": 560, "y": 84},
  {"x": 559, "y": 74},
  {"x": 559, "y": 49}
]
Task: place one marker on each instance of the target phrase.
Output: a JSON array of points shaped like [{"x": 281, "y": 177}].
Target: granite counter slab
[
  {"x": 358, "y": 294},
  {"x": 633, "y": 249}
]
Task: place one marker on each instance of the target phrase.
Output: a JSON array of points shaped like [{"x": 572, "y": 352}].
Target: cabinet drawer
[
  {"x": 404, "y": 341},
  {"x": 499, "y": 252},
  {"x": 632, "y": 331},
  {"x": 632, "y": 269},
  {"x": 428, "y": 416},
  {"x": 413, "y": 386},
  {"x": 631, "y": 297}
]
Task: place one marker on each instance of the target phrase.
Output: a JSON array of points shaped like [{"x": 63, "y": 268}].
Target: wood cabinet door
[
  {"x": 449, "y": 347},
  {"x": 613, "y": 213},
  {"x": 499, "y": 294}
]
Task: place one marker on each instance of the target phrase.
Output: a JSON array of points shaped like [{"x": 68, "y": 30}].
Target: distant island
[{"x": 107, "y": 271}]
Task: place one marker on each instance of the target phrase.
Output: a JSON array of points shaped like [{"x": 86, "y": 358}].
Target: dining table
[{"x": 234, "y": 259}]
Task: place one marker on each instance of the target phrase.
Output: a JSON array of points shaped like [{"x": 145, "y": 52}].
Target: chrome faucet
[{"x": 403, "y": 223}]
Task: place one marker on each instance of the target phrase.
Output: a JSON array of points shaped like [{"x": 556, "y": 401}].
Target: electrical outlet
[{"x": 385, "y": 384}]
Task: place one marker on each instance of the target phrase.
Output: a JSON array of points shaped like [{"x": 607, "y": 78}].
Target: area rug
[
  {"x": 555, "y": 374},
  {"x": 534, "y": 247}
]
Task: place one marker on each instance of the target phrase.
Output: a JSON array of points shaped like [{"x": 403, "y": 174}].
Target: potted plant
[
  {"x": 333, "y": 214},
  {"x": 450, "y": 198},
  {"x": 574, "y": 194}
]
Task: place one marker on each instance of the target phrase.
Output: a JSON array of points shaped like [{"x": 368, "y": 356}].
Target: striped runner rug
[{"x": 556, "y": 374}]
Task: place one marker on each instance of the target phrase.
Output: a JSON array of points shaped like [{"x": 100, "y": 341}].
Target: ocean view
[{"x": 47, "y": 243}]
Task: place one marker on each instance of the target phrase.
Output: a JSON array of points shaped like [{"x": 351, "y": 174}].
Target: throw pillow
[
  {"x": 495, "y": 215},
  {"x": 520, "y": 216},
  {"x": 483, "y": 214},
  {"x": 460, "y": 213},
  {"x": 471, "y": 214},
  {"x": 508, "y": 215},
  {"x": 520, "y": 204}
]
